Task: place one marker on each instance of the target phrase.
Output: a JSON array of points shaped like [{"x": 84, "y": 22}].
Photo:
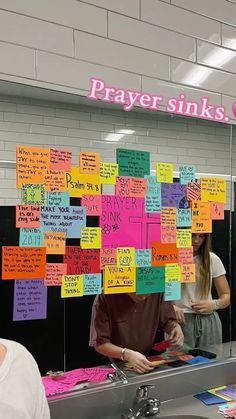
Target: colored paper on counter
[
  {"x": 152, "y": 203},
  {"x": 124, "y": 223},
  {"x": 133, "y": 162},
  {"x": 150, "y": 279},
  {"x": 163, "y": 253},
  {"x": 58, "y": 198},
  {"x": 54, "y": 273},
  {"x": 183, "y": 237},
  {"x": 108, "y": 173},
  {"x": 90, "y": 238},
  {"x": 198, "y": 359},
  {"x": 81, "y": 261},
  {"x": 164, "y": 172},
  {"x": 185, "y": 255},
  {"x": 172, "y": 272},
  {"x": 27, "y": 216},
  {"x": 92, "y": 284},
  {"x": 188, "y": 272},
  {"x": 186, "y": 174},
  {"x": 60, "y": 159},
  {"x": 33, "y": 194},
  {"x": 161, "y": 346},
  {"x": 228, "y": 391},
  {"x": 174, "y": 195},
  {"x": 208, "y": 398},
  {"x": 142, "y": 257},
  {"x": 108, "y": 257},
  {"x": 69, "y": 220},
  {"x": 217, "y": 210},
  {"x": 54, "y": 180},
  {"x": 30, "y": 164},
  {"x": 183, "y": 217},
  {"x": 168, "y": 233},
  {"x": 201, "y": 217},
  {"x": 31, "y": 237},
  {"x": 82, "y": 183},
  {"x": 72, "y": 286},
  {"x": 172, "y": 291},
  {"x": 213, "y": 189},
  {"x": 30, "y": 300},
  {"x": 125, "y": 256},
  {"x": 89, "y": 162},
  {"x": 214, "y": 391},
  {"x": 55, "y": 242},
  {"x": 168, "y": 216},
  {"x": 23, "y": 262},
  {"x": 119, "y": 279},
  {"x": 93, "y": 204},
  {"x": 194, "y": 191}
]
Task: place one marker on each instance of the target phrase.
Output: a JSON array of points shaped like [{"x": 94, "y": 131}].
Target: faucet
[
  {"x": 119, "y": 375},
  {"x": 143, "y": 406}
]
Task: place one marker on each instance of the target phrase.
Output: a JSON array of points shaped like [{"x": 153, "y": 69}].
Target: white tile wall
[{"x": 169, "y": 139}]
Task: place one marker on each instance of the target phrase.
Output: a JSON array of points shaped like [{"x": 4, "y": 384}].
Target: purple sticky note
[
  {"x": 174, "y": 195},
  {"x": 30, "y": 300}
]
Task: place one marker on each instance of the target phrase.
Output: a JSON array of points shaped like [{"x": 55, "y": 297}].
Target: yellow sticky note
[
  {"x": 214, "y": 390},
  {"x": 164, "y": 172},
  {"x": 82, "y": 183},
  {"x": 213, "y": 189},
  {"x": 187, "y": 272},
  {"x": 90, "y": 238},
  {"x": 172, "y": 272},
  {"x": 119, "y": 279},
  {"x": 125, "y": 256},
  {"x": 183, "y": 237},
  {"x": 72, "y": 286},
  {"x": 108, "y": 172}
]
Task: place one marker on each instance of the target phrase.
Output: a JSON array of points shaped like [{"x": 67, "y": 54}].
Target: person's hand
[
  {"x": 139, "y": 362},
  {"x": 203, "y": 306},
  {"x": 176, "y": 335},
  {"x": 179, "y": 314}
]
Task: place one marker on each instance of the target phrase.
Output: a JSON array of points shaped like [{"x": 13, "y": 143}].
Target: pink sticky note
[
  {"x": 217, "y": 210},
  {"x": 92, "y": 203}
]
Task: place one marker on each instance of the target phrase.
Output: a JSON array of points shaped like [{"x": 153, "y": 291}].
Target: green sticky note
[
  {"x": 150, "y": 279},
  {"x": 133, "y": 162}
]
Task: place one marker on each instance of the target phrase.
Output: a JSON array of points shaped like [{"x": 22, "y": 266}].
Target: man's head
[{"x": 138, "y": 298}]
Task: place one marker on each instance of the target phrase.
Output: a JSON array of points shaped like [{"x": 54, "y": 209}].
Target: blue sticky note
[
  {"x": 142, "y": 257},
  {"x": 187, "y": 174},
  {"x": 31, "y": 237},
  {"x": 197, "y": 360},
  {"x": 208, "y": 398},
  {"x": 58, "y": 198},
  {"x": 92, "y": 284},
  {"x": 172, "y": 290},
  {"x": 67, "y": 219},
  {"x": 183, "y": 217}
]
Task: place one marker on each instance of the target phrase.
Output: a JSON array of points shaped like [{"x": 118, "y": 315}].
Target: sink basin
[{"x": 183, "y": 417}]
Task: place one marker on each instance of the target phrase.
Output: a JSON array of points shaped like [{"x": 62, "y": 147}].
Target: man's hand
[
  {"x": 203, "y": 306},
  {"x": 176, "y": 335},
  {"x": 139, "y": 362},
  {"x": 179, "y": 314}
]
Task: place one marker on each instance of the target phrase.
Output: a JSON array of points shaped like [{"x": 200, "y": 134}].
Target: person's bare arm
[
  {"x": 139, "y": 362},
  {"x": 173, "y": 329},
  {"x": 223, "y": 291}
]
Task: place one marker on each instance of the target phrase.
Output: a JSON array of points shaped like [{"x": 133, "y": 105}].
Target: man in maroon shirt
[{"x": 123, "y": 326}]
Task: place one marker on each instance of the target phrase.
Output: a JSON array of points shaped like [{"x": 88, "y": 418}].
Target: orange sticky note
[
  {"x": 55, "y": 242},
  {"x": 89, "y": 162},
  {"x": 23, "y": 262},
  {"x": 28, "y": 216},
  {"x": 168, "y": 215},
  {"x": 187, "y": 272},
  {"x": 54, "y": 180},
  {"x": 201, "y": 217},
  {"x": 30, "y": 164},
  {"x": 163, "y": 253}
]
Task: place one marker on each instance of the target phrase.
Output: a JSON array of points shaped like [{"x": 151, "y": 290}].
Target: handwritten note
[
  {"x": 172, "y": 291},
  {"x": 80, "y": 261},
  {"x": 60, "y": 159},
  {"x": 168, "y": 216},
  {"x": 201, "y": 217},
  {"x": 119, "y": 279},
  {"x": 187, "y": 174},
  {"x": 163, "y": 253},
  {"x": 185, "y": 255},
  {"x": 153, "y": 187},
  {"x": 58, "y": 198},
  {"x": 184, "y": 237},
  {"x": 108, "y": 172},
  {"x": 92, "y": 284},
  {"x": 30, "y": 164},
  {"x": 150, "y": 279},
  {"x": 90, "y": 238},
  {"x": 168, "y": 233},
  {"x": 125, "y": 256},
  {"x": 89, "y": 162},
  {"x": 54, "y": 180},
  {"x": 23, "y": 262},
  {"x": 217, "y": 210},
  {"x": 174, "y": 195},
  {"x": 108, "y": 257},
  {"x": 188, "y": 272},
  {"x": 28, "y": 216},
  {"x": 30, "y": 300},
  {"x": 92, "y": 203},
  {"x": 133, "y": 162},
  {"x": 152, "y": 203},
  {"x": 31, "y": 237},
  {"x": 69, "y": 220},
  {"x": 54, "y": 273},
  {"x": 213, "y": 189},
  {"x": 72, "y": 286},
  {"x": 172, "y": 272},
  {"x": 184, "y": 217},
  {"x": 33, "y": 194},
  {"x": 164, "y": 172},
  {"x": 142, "y": 257},
  {"x": 55, "y": 242},
  {"x": 82, "y": 183}
]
